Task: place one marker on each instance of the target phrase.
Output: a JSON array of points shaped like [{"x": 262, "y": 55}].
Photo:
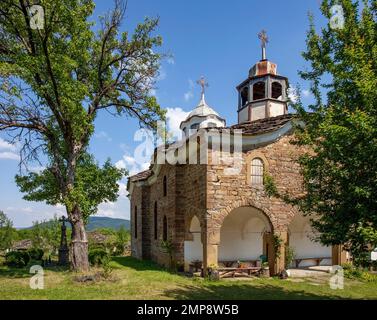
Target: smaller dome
[
  {"x": 202, "y": 109},
  {"x": 203, "y": 116}
]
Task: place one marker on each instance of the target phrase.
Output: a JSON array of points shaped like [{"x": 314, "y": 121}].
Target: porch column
[
  {"x": 280, "y": 259},
  {"x": 210, "y": 249},
  {"x": 339, "y": 256}
]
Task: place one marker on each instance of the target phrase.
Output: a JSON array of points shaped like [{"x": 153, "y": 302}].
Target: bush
[
  {"x": 98, "y": 257},
  {"x": 35, "y": 253},
  {"x": 17, "y": 259},
  {"x": 357, "y": 273}
]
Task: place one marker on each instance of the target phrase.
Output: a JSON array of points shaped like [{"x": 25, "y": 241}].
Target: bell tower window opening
[
  {"x": 259, "y": 90},
  {"x": 244, "y": 96},
  {"x": 277, "y": 91}
]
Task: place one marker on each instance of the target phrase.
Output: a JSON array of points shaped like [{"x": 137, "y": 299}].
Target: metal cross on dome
[
  {"x": 264, "y": 40},
  {"x": 203, "y": 83}
]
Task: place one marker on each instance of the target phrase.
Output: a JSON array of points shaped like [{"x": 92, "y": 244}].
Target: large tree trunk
[{"x": 79, "y": 243}]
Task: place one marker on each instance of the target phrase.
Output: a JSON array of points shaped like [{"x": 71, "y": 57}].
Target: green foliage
[
  {"x": 123, "y": 238},
  {"x": 17, "y": 259},
  {"x": 54, "y": 81},
  {"x": 289, "y": 256},
  {"x": 46, "y": 235},
  {"x": 107, "y": 267},
  {"x": 269, "y": 185},
  {"x": 7, "y": 233},
  {"x": 98, "y": 257},
  {"x": 340, "y": 171},
  {"x": 278, "y": 241},
  {"x": 35, "y": 253},
  {"x": 353, "y": 272}
]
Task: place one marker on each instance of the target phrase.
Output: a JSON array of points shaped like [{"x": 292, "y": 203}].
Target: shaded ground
[{"x": 133, "y": 279}]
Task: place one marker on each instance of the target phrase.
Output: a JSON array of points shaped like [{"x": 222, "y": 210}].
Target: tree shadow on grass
[
  {"x": 236, "y": 291},
  {"x": 13, "y": 272},
  {"x": 138, "y": 265}
]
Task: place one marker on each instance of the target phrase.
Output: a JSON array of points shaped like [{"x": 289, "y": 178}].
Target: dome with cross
[{"x": 203, "y": 116}]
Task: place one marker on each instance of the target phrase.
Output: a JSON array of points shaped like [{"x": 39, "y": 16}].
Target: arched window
[
  {"x": 257, "y": 170},
  {"x": 135, "y": 224},
  {"x": 194, "y": 126},
  {"x": 155, "y": 220},
  {"x": 259, "y": 90},
  {"x": 244, "y": 96},
  {"x": 165, "y": 187},
  {"x": 165, "y": 229},
  {"x": 277, "y": 90}
]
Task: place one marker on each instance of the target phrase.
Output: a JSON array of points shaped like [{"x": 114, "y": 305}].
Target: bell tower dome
[{"x": 264, "y": 93}]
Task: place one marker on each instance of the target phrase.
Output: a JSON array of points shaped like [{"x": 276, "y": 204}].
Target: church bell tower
[{"x": 264, "y": 93}]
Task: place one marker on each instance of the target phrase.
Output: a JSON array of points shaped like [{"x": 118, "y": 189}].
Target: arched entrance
[
  {"x": 245, "y": 236},
  {"x": 193, "y": 248},
  {"x": 306, "y": 251}
]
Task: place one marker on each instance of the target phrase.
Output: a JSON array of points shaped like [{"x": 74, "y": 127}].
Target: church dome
[{"x": 203, "y": 116}]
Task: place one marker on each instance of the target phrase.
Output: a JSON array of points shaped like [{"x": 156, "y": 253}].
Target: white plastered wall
[
  {"x": 301, "y": 237},
  {"x": 241, "y": 236},
  {"x": 193, "y": 250}
]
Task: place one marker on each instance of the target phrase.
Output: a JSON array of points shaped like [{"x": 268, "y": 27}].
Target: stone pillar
[
  {"x": 280, "y": 260},
  {"x": 210, "y": 249},
  {"x": 339, "y": 256}
]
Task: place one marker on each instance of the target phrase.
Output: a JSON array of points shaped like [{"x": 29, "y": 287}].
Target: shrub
[
  {"x": 35, "y": 253},
  {"x": 98, "y": 257},
  {"x": 17, "y": 259}
]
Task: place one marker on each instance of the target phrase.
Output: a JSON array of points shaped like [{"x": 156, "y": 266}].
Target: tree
[
  {"x": 122, "y": 239},
  {"x": 340, "y": 171},
  {"x": 7, "y": 232},
  {"x": 54, "y": 81},
  {"x": 46, "y": 235}
]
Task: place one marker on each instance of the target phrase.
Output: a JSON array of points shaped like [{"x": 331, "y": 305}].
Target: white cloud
[
  {"x": 131, "y": 164},
  {"x": 123, "y": 193},
  {"x": 170, "y": 60},
  {"x": 8, "y": 151},
  {"x": 161, "y": 74},
  {"x": 189, "y": 94},
  {"x": 306, "y": 93},
  {"x": 103, "y": 135},
  {"x": 9, "y": 155},
  {"x": 174, "y": 117},
  {"x": 4, "y": 145},
  {"x": 293, "y": 94},
  {"x": 153, "y": 92}
]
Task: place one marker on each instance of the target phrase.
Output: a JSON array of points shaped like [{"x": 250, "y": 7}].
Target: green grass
[{"x": 133, "y": 279}]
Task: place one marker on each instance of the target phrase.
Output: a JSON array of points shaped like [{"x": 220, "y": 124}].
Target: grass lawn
[{"x": 135, "y": 279}]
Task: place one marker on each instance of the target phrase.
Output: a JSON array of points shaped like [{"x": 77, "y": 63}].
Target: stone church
[{"x": 211, "y": 217}]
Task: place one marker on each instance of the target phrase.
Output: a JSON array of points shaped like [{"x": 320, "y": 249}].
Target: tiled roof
[
  {"x": 140, "y": 176},
  {"x": 263, "y": 125},
  {"x": 252, "y": 128}
]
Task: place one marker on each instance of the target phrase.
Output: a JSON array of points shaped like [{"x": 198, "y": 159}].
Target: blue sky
[{"x": 217, "y": 39}]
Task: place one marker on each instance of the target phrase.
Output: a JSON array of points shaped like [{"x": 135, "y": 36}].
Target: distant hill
[
  {"x": 105, "y": 222},
  {"x": 102, "y": 222}
]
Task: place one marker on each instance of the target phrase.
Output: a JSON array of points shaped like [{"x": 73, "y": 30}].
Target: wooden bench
[
  {"x": 317, "y": 260},
  {"x": 235, "y": 272}
]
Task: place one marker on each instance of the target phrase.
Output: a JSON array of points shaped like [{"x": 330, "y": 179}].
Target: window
[
  {"x": 165, "y": 229},
  {"x": 135, "y": 224},
  {"x": 244, "y": 96},
  {"x": 259, "y": 90},
  {"x": 194, "y": 126},
  {"x": 257, "y": 170},
  {"x": 155, "y": 218},
  {"x": 211, "y": 125},
  {"x": 277, "y": 90},
  {"x": 165, "y": 187}
]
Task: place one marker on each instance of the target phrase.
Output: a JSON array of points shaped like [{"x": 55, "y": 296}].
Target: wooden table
[{"x": 234, "y": 272}]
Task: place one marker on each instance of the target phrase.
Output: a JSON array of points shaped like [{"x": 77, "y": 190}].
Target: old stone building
[{"x": 216, "y": 212}]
